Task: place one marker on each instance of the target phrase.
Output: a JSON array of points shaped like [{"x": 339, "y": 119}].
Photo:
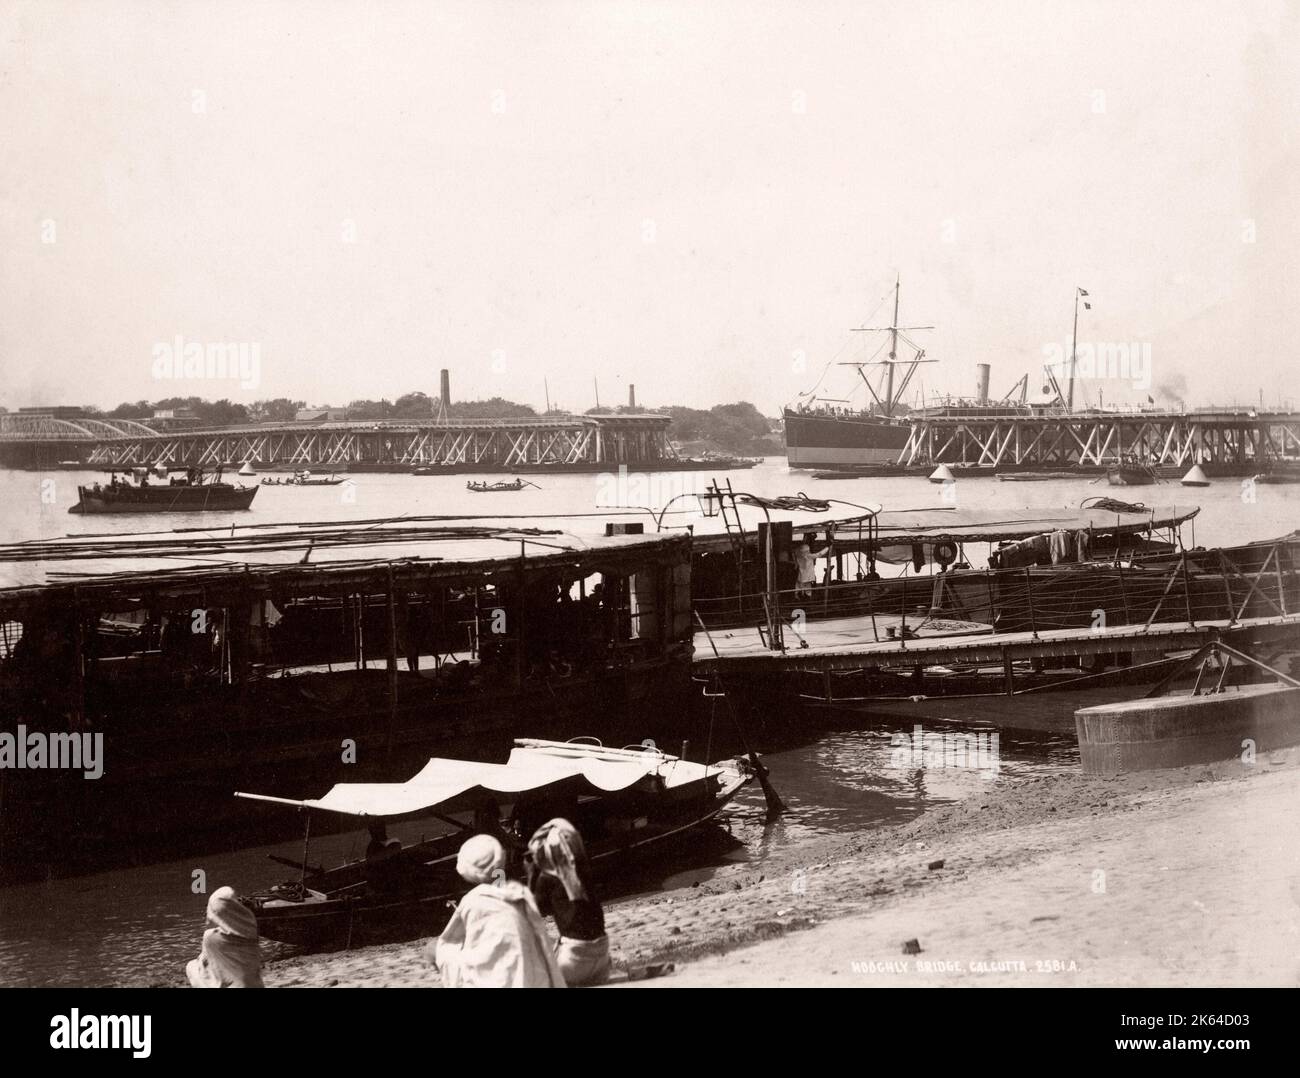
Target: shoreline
[{"x": 1000, "y": 888}]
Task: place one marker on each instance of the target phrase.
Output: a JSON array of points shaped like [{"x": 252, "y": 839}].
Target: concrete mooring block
[{"x": 1174, "y": 731}]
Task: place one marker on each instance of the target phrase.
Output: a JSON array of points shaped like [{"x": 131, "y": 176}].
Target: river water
[{"x": 140, "y": 925}]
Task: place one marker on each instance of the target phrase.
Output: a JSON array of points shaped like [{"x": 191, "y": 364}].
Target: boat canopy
[
  {"x": 441, "y": 781},
  {"x": 946, "y": 524},
  {"x": 989, "y": 526}
]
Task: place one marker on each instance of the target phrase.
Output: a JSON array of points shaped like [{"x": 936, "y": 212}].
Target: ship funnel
[{"x": 982, "y": 382}]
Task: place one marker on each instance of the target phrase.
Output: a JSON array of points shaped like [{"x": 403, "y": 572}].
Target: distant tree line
[
  {"x": 735, "y": 428},
  {"x": 211, "y": 413}
]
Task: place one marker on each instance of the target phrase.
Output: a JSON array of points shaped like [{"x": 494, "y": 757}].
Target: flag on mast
[{"x": 1084, "y": 292}]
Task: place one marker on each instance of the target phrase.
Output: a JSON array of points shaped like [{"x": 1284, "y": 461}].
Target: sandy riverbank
[{"x": 1183, "y": 877}]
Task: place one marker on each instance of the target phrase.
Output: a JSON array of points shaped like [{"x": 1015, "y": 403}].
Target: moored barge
[{"x": 297, "y": 656}]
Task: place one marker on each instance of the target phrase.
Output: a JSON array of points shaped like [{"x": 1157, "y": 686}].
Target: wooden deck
[
  {"x": 848, "y": 642},
  {"x": 836, "y": 634}
]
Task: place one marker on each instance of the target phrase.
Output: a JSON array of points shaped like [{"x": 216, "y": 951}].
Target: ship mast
[
  {"x": 1074, "y": 348},
  {"x": 893, "y": 347},
  {"x": 891, "y": 398}
]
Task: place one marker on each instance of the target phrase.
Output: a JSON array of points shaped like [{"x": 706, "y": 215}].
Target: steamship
[
  {"x": 825, "y": 434},
  {"x": 190, "y": 492}
]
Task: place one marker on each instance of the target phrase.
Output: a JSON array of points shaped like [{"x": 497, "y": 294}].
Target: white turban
[{"x": 481, "y": 859}]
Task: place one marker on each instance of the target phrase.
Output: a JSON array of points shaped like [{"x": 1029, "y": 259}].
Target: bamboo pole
[
  {"x": 1277, "y": 570},
  {"x": 392, "y": 666},
  {"x": 1029, "y": 592}
]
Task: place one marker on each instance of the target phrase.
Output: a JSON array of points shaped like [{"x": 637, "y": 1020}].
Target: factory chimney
[
  {"x": 982, "y": 382},
  {"x": 444, "y": 388},
  {"x": 631, "y": 397}
]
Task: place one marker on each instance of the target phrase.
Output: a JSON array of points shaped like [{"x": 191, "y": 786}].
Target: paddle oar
[
  {"x": 315, "y": 870},
  {"x": 775, "y": 806}
]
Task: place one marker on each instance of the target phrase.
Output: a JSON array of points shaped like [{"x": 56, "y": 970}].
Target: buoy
[
  {"x": 942, "y": 474},
  {"x": 1195, "y": 478},
  {"x": 247, "y": 468}
]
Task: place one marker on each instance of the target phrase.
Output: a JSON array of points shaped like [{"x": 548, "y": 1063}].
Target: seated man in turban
[
  {"x": 229, "y": 956},
  {"x": 496, "y": 937},
  {"x": 559, "y": 875}
]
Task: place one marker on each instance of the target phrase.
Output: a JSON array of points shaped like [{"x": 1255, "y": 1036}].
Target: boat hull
[
  {"x": 196, "y": 499},
  {"x": 1130, "y": 477},
  {"x": 319, "y": 920},
  {"x": 816, "y": 441},
  {"x": 185, "y": 755},
  {"x": 1039, "y": 477}
]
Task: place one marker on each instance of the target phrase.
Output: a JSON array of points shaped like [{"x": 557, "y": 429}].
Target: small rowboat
[
  {"x": 619, "y": 799},
  {"x": 1037, "y": 477},
  {"x": 502, "y": 485},
  {"x": 1278, "y": 475},
  {"x": 303, "y": 479},
  {"x": 1131, "y": 472}
]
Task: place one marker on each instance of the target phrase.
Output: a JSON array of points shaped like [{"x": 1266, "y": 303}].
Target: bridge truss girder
[
  {"x": 1100, "y": 440},
  {"x": 504, "y": 446}
]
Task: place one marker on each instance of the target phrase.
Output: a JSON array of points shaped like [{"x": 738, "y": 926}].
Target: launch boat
[
  {"x": 188, "y": 492},
  {"x": 619, "y": 799}
]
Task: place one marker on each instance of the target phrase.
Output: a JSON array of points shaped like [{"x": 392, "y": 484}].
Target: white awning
[{"x": 441, "y": 781}]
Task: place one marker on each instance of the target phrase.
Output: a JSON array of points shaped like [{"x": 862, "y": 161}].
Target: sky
[{"x": 701, "y": 199}]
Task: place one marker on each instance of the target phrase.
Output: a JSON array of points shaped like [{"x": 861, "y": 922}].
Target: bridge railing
[{"x": 1222, "y": 586}]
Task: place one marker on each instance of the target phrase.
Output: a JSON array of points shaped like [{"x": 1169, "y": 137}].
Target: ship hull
[{"x": 815, "y": 441}]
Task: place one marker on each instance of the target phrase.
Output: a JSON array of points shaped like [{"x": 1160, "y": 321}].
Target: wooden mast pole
[
  {"x": 392, "y": 665},
  {"x": 893, "y": 352},
  {"x": 1074, "y": 347}
]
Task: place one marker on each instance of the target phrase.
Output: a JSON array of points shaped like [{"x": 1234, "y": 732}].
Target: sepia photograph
[{"x": 652, "y": 495}]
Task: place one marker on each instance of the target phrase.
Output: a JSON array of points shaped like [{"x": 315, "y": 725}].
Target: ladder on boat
[{"x": 771, "y": 630}]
